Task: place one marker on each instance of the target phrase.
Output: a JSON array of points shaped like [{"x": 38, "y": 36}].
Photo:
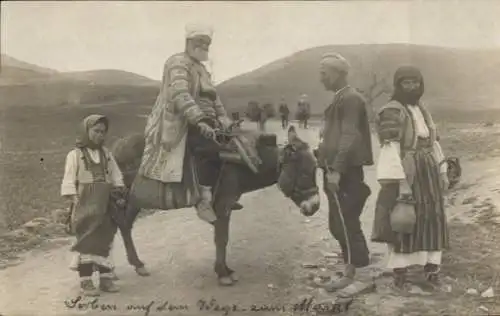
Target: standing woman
[
  {"x": 412, "y": 173},
  {"x": 94, "y": 184}
]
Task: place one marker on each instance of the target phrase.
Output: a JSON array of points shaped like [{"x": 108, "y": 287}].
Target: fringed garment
[
  {"x": 410, "y": 153},
  {"x": 430, "y": 232},
  {"x": 187, "y": 96}
]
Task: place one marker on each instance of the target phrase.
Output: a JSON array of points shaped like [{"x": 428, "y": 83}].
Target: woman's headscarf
[
  {"x": 90, "y": 121},
  {"x": 407, "y": 72}
]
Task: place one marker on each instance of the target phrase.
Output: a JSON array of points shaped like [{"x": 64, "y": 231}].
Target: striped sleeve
[
  {"x": 178, "y": 78},
  {"x": 219, "y": 107},
  {"x": 389, "y": 125}
]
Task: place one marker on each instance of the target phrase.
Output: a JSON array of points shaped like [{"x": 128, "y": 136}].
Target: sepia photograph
[{"x": 238, "y": 158}]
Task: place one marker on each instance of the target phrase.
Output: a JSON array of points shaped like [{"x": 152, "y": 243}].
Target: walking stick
[
  {"x": 346, "y": 235},
  {"x": 341, "y": 215}
]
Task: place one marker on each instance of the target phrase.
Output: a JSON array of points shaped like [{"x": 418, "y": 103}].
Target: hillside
[
  {"x": 14, "y": 71},
  {"x": 8, "y": 61},
  {"x": 454, "y": 78},
  {"x": 22, "y": 84},
  {"x": 457, "y": 81},
  {"x": 108, "y": 77}
]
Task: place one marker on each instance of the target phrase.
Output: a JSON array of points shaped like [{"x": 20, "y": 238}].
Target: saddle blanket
[{"x": 243, "y": 148}]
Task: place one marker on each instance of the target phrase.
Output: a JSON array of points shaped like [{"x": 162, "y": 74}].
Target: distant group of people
[
  {"x": 411, "y": 168},
  {"x": 303, "y": 112}
]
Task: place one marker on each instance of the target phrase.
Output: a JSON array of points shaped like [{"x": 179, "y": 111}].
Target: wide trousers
[
  {"x": 344, "y": 223},
  {"x": 206, "y": 156}
]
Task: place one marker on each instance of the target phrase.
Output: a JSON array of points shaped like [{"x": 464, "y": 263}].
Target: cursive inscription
[
  {"x": 204, "y": 305},
  {"x": 77, "y": 303},
  {"x": 145, "y": 308}
]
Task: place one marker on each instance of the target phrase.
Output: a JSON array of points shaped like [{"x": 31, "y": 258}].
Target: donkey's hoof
[
  {"x": 234, "y": 277},
  {"x": 142, "y": 271},
  {"x": 114, "y": 277},
  {"x": 236, "y": 206},
  {"x": 226, "y": 281}
]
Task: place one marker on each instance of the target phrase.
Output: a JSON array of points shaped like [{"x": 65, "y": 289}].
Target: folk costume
[
  {"x": 187, "y": 97},
  {"x": 304, "y": 110},
  {"x": 411, "y": 160},
  {"x": 93, "y": 177},
  {"x": 346, "y": 148}
]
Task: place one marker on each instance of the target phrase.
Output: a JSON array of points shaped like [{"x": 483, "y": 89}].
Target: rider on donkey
[{"x": 185, "y": 117}]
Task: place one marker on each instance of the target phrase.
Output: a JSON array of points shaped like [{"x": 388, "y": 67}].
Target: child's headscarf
[{"x": 90, "y": 121}]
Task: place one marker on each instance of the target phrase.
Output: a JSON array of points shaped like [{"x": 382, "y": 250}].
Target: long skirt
[
  {"x": 93, "y": 225},
  {"x": 431, "y": 231}
]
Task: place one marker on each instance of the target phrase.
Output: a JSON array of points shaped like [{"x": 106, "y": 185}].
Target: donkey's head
[{"x": 297, "y": 179}]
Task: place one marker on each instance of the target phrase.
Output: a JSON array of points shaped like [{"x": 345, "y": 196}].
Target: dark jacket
[
  {"x": 284, "y": 111},
  {"x": 346, "y": 137}
]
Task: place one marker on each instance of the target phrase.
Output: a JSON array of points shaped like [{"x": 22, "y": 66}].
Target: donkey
[{"x": 291, "y": 167}]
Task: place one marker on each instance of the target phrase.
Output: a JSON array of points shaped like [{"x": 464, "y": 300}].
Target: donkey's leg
[
  {"x": 221, "y": 233},
  {"x": 228, "y": 272},
  {"x": 133, "y": 258},
  {"x": 228, "y": 194}
]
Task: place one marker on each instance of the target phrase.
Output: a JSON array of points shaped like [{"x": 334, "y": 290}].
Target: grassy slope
[{"x": 30, "y": 186}]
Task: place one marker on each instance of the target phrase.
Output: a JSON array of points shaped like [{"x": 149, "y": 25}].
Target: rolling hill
[
  {"x": 13, "y": 62},
  {"x": 454, "y": 78},
  {"x": 22, "y": 83},
  {"x": 14, "y": 71},
  {"x": 108, "y": 77},
  {"x": 457, "y": 81}
]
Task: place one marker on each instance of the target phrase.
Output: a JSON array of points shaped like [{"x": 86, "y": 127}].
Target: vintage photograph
[{"x": 288, "y": 158}]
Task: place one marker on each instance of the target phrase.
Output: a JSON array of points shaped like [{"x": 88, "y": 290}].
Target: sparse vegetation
[{"x": 35, "y": 142}]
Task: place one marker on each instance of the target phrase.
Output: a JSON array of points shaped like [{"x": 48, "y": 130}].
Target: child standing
[{"x": 94, "y": 184}]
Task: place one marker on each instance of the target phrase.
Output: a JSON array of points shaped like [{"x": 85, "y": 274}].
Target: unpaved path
[{"x": 269, "y": 240}]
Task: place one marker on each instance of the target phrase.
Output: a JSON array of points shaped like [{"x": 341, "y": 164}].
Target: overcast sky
[{"x": 139, "y": 36}]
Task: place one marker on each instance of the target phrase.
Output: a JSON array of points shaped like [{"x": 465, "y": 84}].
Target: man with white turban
[
  {"x": 343, "y": 151},
  {"x": 183, "y": 121}
]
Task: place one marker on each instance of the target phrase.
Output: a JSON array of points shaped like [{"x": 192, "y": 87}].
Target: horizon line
[{"x": 470, "y": 49}]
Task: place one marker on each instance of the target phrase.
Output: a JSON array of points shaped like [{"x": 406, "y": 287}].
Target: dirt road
[{"x": 269, "y": 240}]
